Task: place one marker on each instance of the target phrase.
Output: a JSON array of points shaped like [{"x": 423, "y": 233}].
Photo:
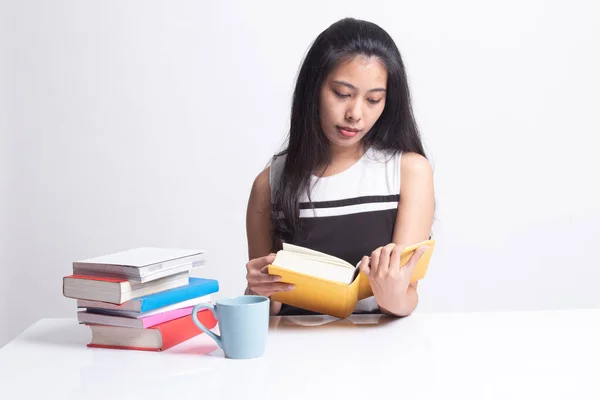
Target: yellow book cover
[{"x": 327, "y": 284}]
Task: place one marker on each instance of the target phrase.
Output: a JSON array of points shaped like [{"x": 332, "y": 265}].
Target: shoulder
[
  {"x": 414, "y": 166},
  {"x": 416, "y": 174},
  {"x": 259, "y": 201},
  {"x": 265, "y": 182},
  {"x": 261, "y": 187}
]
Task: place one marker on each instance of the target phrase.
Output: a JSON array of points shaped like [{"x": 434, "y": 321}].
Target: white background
[{"x": 134, "y": 123}]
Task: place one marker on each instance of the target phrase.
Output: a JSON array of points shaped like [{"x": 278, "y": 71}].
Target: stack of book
[{"x": 141, "y": 299}]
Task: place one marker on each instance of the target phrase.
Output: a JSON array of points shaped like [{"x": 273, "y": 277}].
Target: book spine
[{"x": 197, "y": 287}]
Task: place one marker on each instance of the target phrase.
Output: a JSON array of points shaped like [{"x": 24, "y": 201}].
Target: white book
[
  {"x": 118, "y": 291},
  {"x": 141, "y": 264}
]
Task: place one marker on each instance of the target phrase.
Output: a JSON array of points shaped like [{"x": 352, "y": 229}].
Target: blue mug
[{"x": 243, "y": 325}]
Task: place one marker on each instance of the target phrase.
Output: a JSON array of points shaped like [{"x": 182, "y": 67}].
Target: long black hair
[{"x": 307, "y": 147}]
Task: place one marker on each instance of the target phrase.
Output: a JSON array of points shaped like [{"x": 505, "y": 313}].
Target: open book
[{"x": 327, "y": 284}]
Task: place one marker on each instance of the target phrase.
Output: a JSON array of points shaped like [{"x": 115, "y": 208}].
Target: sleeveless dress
[{"x": 354, "y": 212}]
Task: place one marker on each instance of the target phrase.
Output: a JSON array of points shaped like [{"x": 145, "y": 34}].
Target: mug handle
[{"x": 213, "y": 335}]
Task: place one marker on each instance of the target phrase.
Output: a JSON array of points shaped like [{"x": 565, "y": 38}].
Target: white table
[{"x": 494, "y": 355}]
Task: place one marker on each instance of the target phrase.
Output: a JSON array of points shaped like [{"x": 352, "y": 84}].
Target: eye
[
  {"x": 373, "y": 101},
  {"x": 338, "y": 94}
]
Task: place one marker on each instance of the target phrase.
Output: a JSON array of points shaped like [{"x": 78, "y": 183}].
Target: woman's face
[{"x": 352, "y": 99}]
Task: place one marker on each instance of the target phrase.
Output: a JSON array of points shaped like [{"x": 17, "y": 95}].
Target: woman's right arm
[{"x": 259, "y": 232}]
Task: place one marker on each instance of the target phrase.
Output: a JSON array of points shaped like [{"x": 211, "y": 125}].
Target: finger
[
  {"x": 264, "y": 270},
  {"x": 415, "y": 257},
  {"x": 272, "y": 288},
  {"x": 364, "y": 266},
  {"x": 257, "y": 277},
  {"x": 395, "y": 259},
  {"x": 259, "y": 263},
  {"x": 265, "y": 278},
  {"x": 384, "y": 259},
  {"x": 266, "y": 260},
  {"x": 374, "y": 264}
]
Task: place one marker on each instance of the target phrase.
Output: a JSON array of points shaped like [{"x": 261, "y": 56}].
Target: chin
[{"x": 346, "y": 142}]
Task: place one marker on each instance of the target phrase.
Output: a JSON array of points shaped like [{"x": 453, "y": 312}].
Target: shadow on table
[
  {"x": 314, "y": 322},
  {"x": 73, "y": 335},
  {"x": 204, "y": 349}
]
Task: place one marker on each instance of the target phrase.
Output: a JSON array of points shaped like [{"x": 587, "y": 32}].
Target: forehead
[{"x": 362, "y": 72}]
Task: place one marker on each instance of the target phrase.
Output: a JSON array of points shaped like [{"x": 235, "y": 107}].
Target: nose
[{"x": 354, "y": 111}]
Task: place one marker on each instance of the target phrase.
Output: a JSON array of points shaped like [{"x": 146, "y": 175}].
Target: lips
[{"x": 347, "y": 131}]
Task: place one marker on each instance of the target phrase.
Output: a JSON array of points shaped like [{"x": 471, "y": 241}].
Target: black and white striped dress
[{"x": 354, "y": 211}]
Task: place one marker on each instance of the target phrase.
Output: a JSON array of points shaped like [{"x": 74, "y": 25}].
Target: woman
[{"x": 354, "y": 180}]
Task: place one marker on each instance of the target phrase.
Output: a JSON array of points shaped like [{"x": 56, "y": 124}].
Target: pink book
[
  {"x": 144, "y": 322},
  {"x": 156, "y": 319}
]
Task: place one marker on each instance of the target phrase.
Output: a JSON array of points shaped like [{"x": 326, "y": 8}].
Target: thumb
[
  {"x": 266, "y": 261},
  {"x": 416, "y": 256},
  {"x": 364, "y": 266}
]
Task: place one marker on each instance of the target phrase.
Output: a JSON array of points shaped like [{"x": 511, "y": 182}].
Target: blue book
[{"x": 197, "y": 287}]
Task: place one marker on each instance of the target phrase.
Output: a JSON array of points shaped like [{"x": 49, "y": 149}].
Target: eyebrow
[{"x": 351, "y": 86}]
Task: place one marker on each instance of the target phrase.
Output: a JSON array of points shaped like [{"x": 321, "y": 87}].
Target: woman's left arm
[{"x": 391, "y": 285}]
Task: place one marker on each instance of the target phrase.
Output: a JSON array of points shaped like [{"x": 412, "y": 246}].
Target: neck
[
  {"x": 343, "y": 154},
  {"x": 341, "y": 159}
]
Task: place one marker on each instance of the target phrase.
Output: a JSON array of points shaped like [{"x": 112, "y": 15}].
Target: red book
[{"x": 157, "y": 338}]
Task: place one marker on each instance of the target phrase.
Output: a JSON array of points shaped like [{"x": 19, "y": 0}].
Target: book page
[
  {"x": 315, "y": 254},
  {"x": 313, "y": 266},
  {"x": 323, "y": 260}
]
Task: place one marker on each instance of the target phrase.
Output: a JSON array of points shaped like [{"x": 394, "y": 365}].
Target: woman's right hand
[{"x": 259, "y": 280}]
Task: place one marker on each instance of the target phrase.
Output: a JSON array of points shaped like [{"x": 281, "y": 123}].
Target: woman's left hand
[{"x": 389, "y": 281}]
